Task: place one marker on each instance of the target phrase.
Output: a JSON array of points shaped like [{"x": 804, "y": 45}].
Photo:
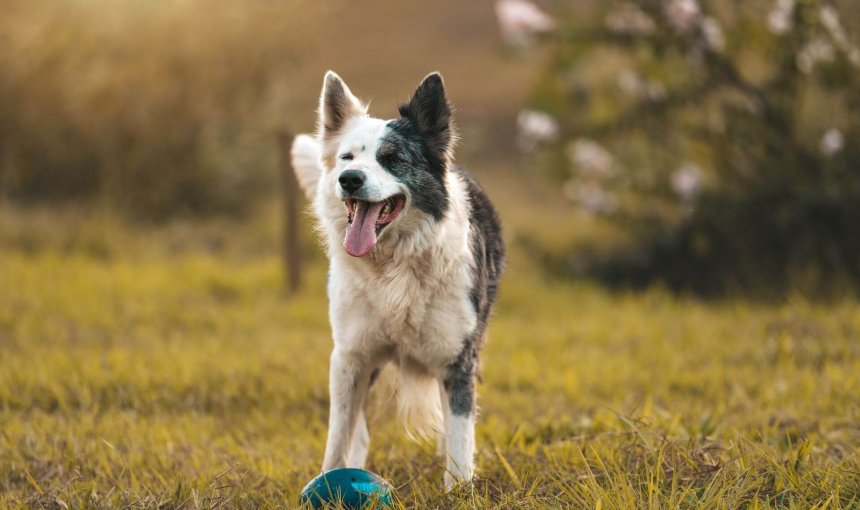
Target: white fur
[
  {"x": 305, "y": 155},
  {"x": 360, "y": 443},
  {"x": 361, "y": 140},
  {"x": 406, "y": 302},
  {"x": 460, "y": 460}
]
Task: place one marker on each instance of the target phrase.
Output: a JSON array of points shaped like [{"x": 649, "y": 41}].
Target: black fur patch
[
  {"x": 489, "y": 252},
  {"x": 431, "y": 115},
  {"x": 460, "y": 380},
  {"x": 417, "y": 149},
  {"x": 487, "y": 247},
  {"x": 404, "y": 153},
  {"x": 373, "y": 376}
]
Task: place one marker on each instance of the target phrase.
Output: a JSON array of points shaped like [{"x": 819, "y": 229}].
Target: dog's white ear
[
  {"x": 431, "y": 113},
  {"x": 337, "y": 105}
]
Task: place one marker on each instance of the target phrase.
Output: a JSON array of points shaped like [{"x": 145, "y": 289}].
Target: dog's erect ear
[
  {"x": 337, "y": 105},
  {"x": 431, "y": 113}
]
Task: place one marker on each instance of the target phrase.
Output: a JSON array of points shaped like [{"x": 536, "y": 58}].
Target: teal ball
[{"x": 353, "y": 488}]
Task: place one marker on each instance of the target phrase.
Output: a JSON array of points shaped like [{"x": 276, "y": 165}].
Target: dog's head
[{"x": 381, "y": 177}]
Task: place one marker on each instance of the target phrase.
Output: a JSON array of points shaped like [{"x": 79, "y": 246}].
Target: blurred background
[{"x": 710, "y": 147}]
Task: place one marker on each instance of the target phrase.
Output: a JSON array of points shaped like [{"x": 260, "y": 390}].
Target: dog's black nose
[{"x": 351, "y": 180}]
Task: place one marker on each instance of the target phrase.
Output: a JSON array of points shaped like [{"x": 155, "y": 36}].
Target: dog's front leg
[
  {"x": 441, "y": 443},
  {"x": 348, "y": 381},
  {"x": 459, "y": 411}
]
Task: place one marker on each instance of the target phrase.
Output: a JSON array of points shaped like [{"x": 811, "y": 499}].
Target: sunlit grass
[{"x": 164, "y": 367}]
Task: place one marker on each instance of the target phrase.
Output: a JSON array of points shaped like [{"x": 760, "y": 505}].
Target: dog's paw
[{"x": 458, "y": 485}]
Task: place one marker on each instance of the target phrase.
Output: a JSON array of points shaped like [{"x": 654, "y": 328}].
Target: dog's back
[{"x": 488, "y": 247}]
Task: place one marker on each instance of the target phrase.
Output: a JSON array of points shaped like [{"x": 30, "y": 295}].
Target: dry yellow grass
[{"x": 164, "y": 368}]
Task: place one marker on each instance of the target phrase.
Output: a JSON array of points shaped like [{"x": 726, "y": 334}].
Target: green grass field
[{"x": 163, "y": 368}]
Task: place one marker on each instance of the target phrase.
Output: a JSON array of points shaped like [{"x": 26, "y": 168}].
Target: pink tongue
[{"x": 361, "y": 234}]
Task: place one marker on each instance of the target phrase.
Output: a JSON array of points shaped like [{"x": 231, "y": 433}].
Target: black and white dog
[{"x": 416, "y": 254}]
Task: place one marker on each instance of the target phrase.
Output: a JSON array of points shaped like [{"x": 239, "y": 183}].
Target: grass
[{"x": 163, "y": 368}]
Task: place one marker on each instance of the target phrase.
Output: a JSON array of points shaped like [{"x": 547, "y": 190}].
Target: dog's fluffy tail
[
  {"x": 418, "y": 404},
  {"x": 305, "y": 155},
  {"x": 417, "y": 397}
]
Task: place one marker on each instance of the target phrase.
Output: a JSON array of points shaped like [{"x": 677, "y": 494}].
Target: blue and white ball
[{"x": 353, "y": 488}]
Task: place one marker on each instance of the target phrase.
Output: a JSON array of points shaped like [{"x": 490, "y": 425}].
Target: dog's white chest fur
[{"x": 411, "y": 301}]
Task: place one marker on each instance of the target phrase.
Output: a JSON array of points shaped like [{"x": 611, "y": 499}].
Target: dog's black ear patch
[{"x": 431, "y": 114}]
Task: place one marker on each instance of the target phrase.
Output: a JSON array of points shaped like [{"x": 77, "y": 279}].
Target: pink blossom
[
  {"x": 632, "y": 83},
  {"x": 816, "y": 51},
  {"x": 629, "y": 19},
  {"x": 520, "y": 21},
  {"x": 534, "y": 127},
  {"x": 683, "y": 15},
  {"x": 590, "y": 195},
  {"x": 713, "y": 34},
  {"x": 687, "y": 181},
  {"x": 779, "y": 19},
  {"x": 589, "y": 158},
  {"x": 832, "y": 142}
]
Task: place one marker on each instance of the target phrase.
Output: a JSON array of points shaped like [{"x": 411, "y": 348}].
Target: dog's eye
[{"x": 347, "y": 157}]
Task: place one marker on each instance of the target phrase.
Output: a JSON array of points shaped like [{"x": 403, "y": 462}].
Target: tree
[{"x": 725, "y": 138}]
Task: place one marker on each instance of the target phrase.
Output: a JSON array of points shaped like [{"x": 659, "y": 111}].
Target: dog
[{"x": 416, "y": 254}]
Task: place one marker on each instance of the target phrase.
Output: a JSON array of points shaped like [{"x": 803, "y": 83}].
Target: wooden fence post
[{"x": 292, "y": 243}]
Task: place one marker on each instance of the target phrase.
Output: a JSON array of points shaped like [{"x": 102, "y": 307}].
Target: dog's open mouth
[{"x": 366, "y": 221}]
